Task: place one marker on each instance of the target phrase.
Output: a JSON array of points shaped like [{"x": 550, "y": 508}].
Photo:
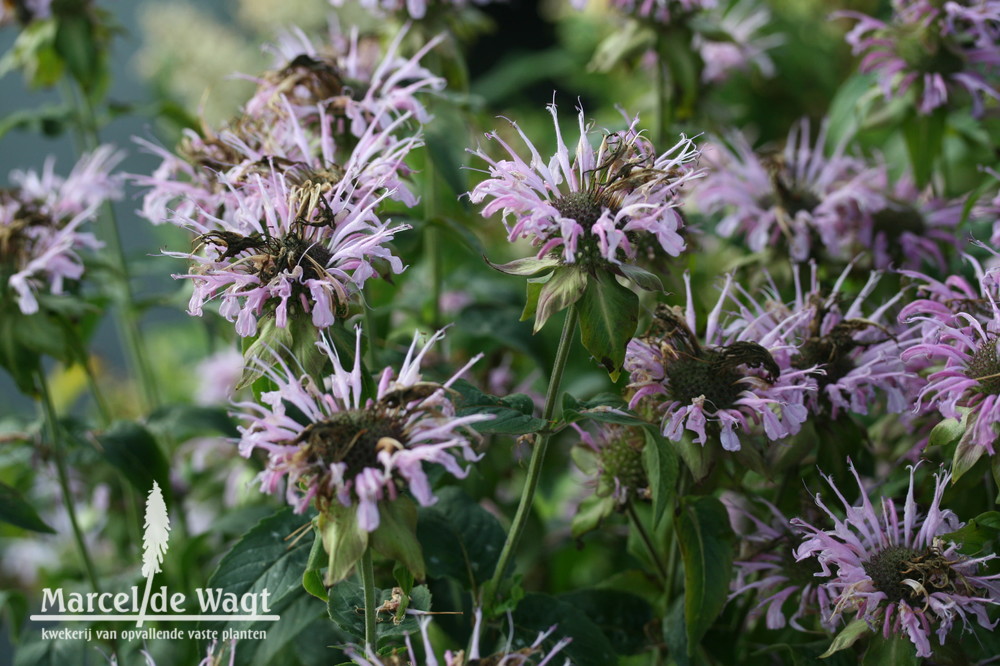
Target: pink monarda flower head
[
  {"x": 535, "y": 654},
  {"x": 720, "y": 386},
  {"x": 416, "y": 9},
  {"x": 612, "y": 455},
  {"x": 40, "y": 220},
  {"x": 898, "y": 573},
  {"x": 959, "y": 337},
  {"x": 766, "y": 567},
  {"x": 799, "y": 199},
  {"x": 936, "y": 48},
  {"x": 597, "y": 207},
  {"x": 349, "y": 78},
  {"x": 912, "y": 227},
  {"x": 288, "y": 251},
  {"x": 743, "y": 45},
  {"x": 337, "y": 447},
  {"x": 660, "y": 11},
  {"x": 853, "y": 356}
]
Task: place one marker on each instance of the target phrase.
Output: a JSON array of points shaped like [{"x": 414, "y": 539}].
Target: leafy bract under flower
[
  {"x": 596, "y": 207},
  {"x": 331, "y": 445},
  {"x": 896, "y": 571}
]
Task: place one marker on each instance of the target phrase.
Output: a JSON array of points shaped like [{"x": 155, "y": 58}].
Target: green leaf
[
  {"x": 14, "y": 509},
  {"x": 132, "y": 449},
  {"x": 527, "y": 267},
  {"x": 924, "y": 136},
  {"x": 347, "y": 606},
  {"x": 563, "y": 289},
  {"x": 848, "y": 636},
  {"x": 395, "y": 537},
  {"x": 538, "y": 612},
  {"x": 662, "y": 469},
  {"x": 621, "y": 616},
  {"x": 182, "y": 422},
  {"x": 48, "y": 120},
  {"x": 461, "y": 540},
  {"x": 76, "y": 43},
  {"x": 675, "y": 633},
  {"x": 344, "y": 541},
  {"x": 947, "y": 431},
  {"x": 299, "y": 613},
  {"x": 534, "y": 290},
  {"x": 591, "y": 512},
  {"x": 266, "y": 560},
  {"x": 609, "y": 314},
  {"x": 55, "y": 652},
  {"x": 705, "y": 540},
  {"x": 977, "y": 535},
  {"x": 642, "y": 278},
  {"x": 967, "y": 453},
  {"x": 893, "y": 651},
  {"x": 312, "y": 576},
  {"x": 441, "y": 148},
  {"x": 511, "y": 415},
  {"x": 699, "y": 458},
  {"x": 34, "y": 51}
]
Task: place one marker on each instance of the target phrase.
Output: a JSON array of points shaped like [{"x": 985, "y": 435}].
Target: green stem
[
  {"x": 58, "y": 455},
  {"x": 372, "y": 337},
  {"x": 674, "y": 545},
  {"x": 432, "y": 241},
  {"x": 368, "y": 585},
  {"x": 644, "y": 535},
  {"x": 95, "y": 390},
  {"x": 537, "y": 457},
  {"x": 661, "y": 90}
]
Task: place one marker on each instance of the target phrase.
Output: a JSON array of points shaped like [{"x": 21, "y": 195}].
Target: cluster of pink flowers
[
  {"x": 935, "y": 48},
  {"x": 596, "y": 207},
  {"x": 284, "y": 203},
  {"x": 41, "y": 220}
]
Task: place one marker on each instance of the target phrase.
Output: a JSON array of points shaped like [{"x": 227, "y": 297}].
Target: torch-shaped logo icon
[{"x": 154, "y": 542}]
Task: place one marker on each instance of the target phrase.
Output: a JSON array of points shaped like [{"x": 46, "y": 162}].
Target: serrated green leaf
[
  {"x": 895, "y": 650},
  {"x": 705, "y": 540},
  {"x": 621, "y": 616},
  {"x": 609, "y": 314},
  {"x": 265, "y": 559},
  {"x": 460, "y": 539},
  {"x": 132, "y": 449},
  {"x": 566, "y": 286},
  {"x": 662, "y": 469},
  {"x": 347, "y": 606},
  {"x": 538, "y": 612},
  {"x": 847, "y": 637},
  {"x": 975, "y": 535},
  {"x": 511, "y": 415},
  {"x": 15, "y": 510}
]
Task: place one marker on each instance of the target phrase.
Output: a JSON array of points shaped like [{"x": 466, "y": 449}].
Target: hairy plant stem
[
  {"x": 537, "y": 456},
  {"x": 368, "y": 586},
  {"x": 55, "y": 434},
  {"x": 107, "y": 224},
  {"x": 646, "y": 539}
]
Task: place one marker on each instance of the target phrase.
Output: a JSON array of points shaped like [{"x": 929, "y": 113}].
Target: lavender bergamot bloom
[
  {"x": 41, "y": 239},
  {"x": 899, "y": 573},
  {"x": 596, "y": 207},
  {"x": 328, "y": 445},
  {"x": 728, "y": 383},
  {"x": 936, "y": 48}
]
